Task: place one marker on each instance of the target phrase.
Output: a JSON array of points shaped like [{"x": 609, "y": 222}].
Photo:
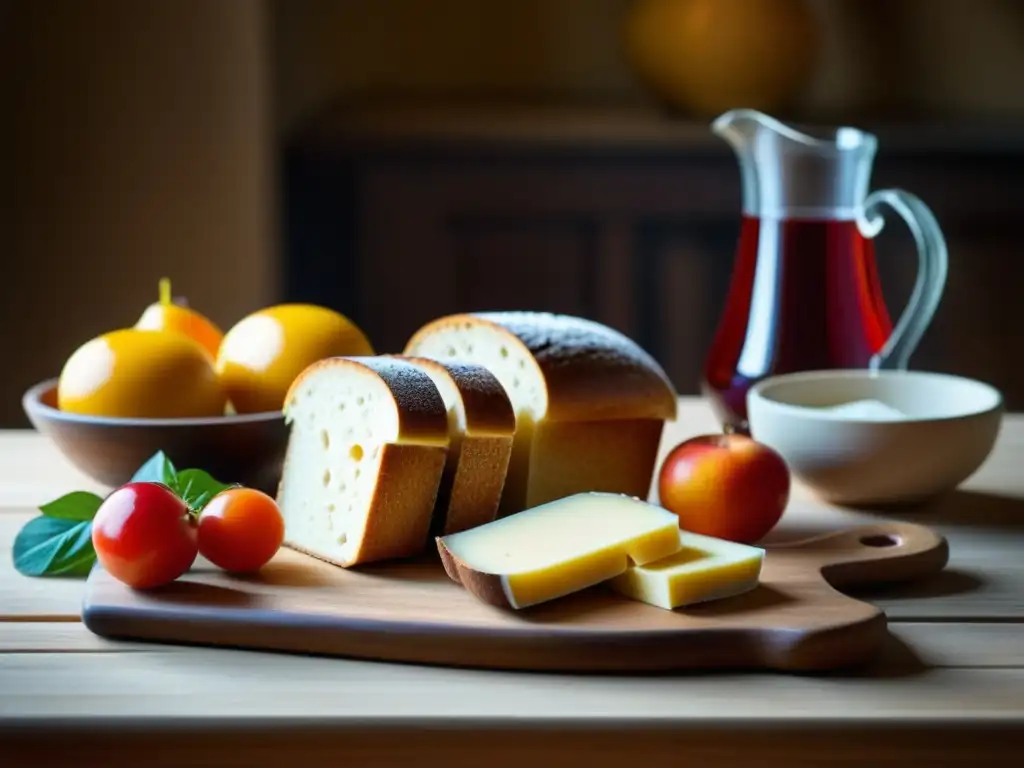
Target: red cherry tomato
[
  {"x": 144, "y": 536},
  {"x": 240, "y": 529}
]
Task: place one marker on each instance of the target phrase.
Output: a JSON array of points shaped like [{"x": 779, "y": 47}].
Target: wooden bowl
[{"x": 247, "y": 449}]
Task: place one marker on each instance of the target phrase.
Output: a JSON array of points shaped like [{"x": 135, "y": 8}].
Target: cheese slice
[
  {"x": 704, "y": 568},
  {"x": 558, "y": 548}
]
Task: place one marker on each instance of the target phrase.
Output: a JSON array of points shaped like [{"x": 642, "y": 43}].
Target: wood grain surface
[
  {"x": 945, "y": 689},
  {"x": 412, "y": 612}
]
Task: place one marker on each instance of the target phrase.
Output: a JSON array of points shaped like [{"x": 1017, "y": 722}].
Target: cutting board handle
[{"x": 876, "y": 554}]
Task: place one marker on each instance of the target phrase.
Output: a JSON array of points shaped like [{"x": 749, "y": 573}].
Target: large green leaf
[
  {"x": 54, "y": 546},
  {"x": 77, "y": 505},
  {"x": 158, "y": 469}
]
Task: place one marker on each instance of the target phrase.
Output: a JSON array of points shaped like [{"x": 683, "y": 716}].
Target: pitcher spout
[
  {"x": 737, "y": 127},
  {"x": 787, "y": 173},
  {"x": 740, "y": 128}
]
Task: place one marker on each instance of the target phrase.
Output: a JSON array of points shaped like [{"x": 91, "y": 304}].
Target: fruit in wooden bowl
[
  {"x": 175, "y": 383},
  {"x": 727, "y": 486},
  {"x": 263, "y": 353},
  {"x": 246, "y": 448},
  {"x": 140, "y": 374},
  {"x": 165, "y": 315}
]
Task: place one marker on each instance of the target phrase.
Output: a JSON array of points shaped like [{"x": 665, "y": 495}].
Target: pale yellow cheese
[
  {"x": 558, "y": 548},
  {"x": 704, "y": 568}
]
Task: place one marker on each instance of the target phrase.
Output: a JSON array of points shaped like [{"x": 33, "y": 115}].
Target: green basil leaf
[
  {"x": 54, "y": 546},
  {"x": 77, "y": 505},
  {"x": 197, "y": 487},
  {"x": 158, "y": 469}
]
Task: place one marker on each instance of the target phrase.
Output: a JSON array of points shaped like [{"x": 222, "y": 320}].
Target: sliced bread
[
  {"x": 364, "y": 461},
  {"x": 481, "y": 425},
  {"x": 590, "y": 403}
]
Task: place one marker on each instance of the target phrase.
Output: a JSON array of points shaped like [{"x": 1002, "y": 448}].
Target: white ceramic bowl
[{"x": 854, "y": 452}]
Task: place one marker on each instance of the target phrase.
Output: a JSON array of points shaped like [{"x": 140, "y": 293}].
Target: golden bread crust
[
  {"x": 478, "y": 459},
  {"x": 422, "y": 416},
  {"x": 488, "y": 409},
  {"x": 486, "y": 586},
  {"x": 395, "y": 522},
  {"x": 591, "y": 372},
  {"x": 476, "y": 488},
  {"x": 398, "y": 519}
]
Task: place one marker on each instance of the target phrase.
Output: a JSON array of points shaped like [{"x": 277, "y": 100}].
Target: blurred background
[{"x": 401, "y": 159}]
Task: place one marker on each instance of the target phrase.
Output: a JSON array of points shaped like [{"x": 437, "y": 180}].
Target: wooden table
[{"x": 948, "y": 689}]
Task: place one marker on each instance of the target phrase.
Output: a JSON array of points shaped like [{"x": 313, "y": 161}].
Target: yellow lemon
[
  {"x": 164, "y": 315},
  {"x": 263, "y": 353},
  {"x": 141, "y": 374}
]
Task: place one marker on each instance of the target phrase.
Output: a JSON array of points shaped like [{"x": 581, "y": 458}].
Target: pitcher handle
[{"x": 931, "y": 272}]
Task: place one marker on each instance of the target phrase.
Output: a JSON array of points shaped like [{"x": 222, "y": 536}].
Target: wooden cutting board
[{"x": 412, "y": 612}]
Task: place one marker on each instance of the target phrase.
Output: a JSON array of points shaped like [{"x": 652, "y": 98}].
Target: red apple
[{"x": 728, "y": 486}]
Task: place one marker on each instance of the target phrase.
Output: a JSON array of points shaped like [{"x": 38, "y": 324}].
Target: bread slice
[
  {"x": 481, "y": 425},
  {"x": 364, "y": 461},
  {"x": 558, "y": 548},
  {"x": 590, "y": 403}
]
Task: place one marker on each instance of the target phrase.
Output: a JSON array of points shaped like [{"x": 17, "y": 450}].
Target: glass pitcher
[{"x": 804, "y": 293}]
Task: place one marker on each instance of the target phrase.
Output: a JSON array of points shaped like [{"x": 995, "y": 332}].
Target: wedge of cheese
[
  {"x": 704, "y": 568},
  {"x": 590, "y": 403},
  {"x": 364, "y": 460},
  {"x": 481, "y": 426},
  {"x": 558, "y": 548}
]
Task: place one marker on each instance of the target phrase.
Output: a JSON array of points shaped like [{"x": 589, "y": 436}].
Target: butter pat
[
  {"x": 558, "y": 548},
  {"x": 704, "y": 568}
]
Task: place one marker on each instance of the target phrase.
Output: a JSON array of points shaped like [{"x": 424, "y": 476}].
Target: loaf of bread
[
  {"x": 590, "y": 403},
  {"x": 481, "y": 425},
  {"x": 365, "y": 456}
]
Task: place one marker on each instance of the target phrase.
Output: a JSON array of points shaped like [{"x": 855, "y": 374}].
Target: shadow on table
[
  {"x": 946, "y": 583},
  {"x": 958, "y": 508},
  {"x": 895, "y": 659},
  {"x": 977, "y": 509},
  {"x": 184, "y": 594}
]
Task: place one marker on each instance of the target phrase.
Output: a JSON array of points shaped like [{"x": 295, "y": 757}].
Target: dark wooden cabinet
[{"x": 398, "y": 216}]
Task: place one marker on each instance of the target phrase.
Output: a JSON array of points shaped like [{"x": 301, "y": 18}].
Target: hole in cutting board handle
[{"x": 879, "y": 540}]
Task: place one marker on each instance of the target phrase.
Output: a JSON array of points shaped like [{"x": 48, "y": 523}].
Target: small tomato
[
  {"x": 144, "y": 535},
  {"x": 240, "y": 529}
]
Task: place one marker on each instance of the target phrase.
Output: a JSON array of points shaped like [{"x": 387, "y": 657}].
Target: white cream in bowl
[{"x": 864, "y": 437}]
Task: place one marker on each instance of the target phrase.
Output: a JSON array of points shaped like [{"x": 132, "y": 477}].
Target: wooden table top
[{"x": 949, "y": 686}]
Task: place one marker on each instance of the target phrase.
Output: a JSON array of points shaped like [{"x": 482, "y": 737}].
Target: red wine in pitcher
[{"x": 804, "y": 295}]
